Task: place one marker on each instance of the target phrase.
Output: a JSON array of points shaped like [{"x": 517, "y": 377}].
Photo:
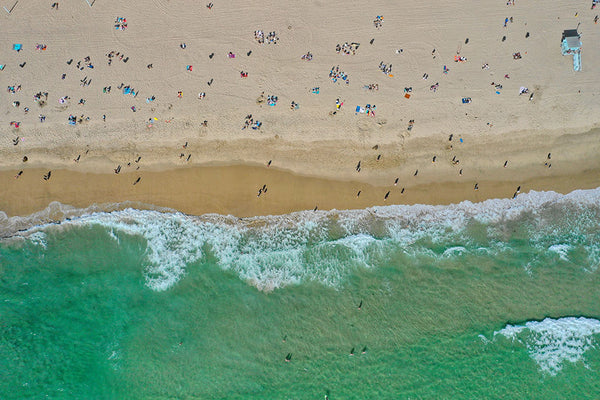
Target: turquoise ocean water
[{"x": 497, "y": 300}]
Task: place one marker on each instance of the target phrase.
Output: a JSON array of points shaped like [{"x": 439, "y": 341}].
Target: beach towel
[{"x": 17, "y": 47}]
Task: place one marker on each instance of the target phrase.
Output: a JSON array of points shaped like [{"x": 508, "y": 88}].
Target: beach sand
[{"x": 314, "y": 152}]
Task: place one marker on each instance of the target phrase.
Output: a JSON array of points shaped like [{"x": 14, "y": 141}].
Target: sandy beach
[{"x": 197, "y": 101}]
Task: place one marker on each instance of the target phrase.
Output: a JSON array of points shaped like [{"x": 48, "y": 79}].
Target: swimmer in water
[
  {"x": 386, "y": 196},
  {"x": 396, "y": 181},
  {"x": 352, "y": 351},
  {"x": 288, "y": 357},
  {"x": 360, "y": 305}
]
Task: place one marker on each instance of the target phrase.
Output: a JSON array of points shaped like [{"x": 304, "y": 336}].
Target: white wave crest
[
  {"x": 274, "y": 251},
  {"x": 552, "y": 342},
  {"x": 562, "y": 250}
]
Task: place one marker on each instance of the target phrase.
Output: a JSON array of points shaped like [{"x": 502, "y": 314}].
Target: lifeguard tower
[{"x": 571, "y": 46}]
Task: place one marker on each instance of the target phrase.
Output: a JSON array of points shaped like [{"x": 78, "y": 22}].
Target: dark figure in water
[
  {"x": 284, "y": 338},
  {"x": 316, "y": 207},
  {"x": 360, "y": 305},
  {"x": 358, "y": 194},
  {"x": 288, "y": 357},
  {"x": 379, "y": 157},
  {"x": 402, "y": 191},
  {"x": 118, "y": 169},
  {"x": 47, "y": 176},
  {"x": 269, "y": 163},
  {"x": 78, "y": 158},
  {"x": 476, "y": 186},
  {"x": 352, "y": 351},
  {"x": 358, "y": 167},
  {"x": 188, "y": 158},
  {"x": 137, "y": 180},
  {"x": 549, "y": 156},
  {"x": 364, "y": 350},
  {"x": 138, "y": 159},
  {"x": 505, "y": 163},
  {"x": 416, "y": 172},
  {"x": 386, "y": 195},
  {"x": 518, "y": 189},
  {"x": 396, "y": 181}
]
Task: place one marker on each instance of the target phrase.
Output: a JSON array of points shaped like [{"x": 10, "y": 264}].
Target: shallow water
[{"x": 462, "y": 301}]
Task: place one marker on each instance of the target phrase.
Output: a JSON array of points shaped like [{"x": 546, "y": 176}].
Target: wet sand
[{"x": 233, "y": 190}]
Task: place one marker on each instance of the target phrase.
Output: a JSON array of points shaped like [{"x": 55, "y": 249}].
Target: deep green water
[{"x": 147, "y": 305}]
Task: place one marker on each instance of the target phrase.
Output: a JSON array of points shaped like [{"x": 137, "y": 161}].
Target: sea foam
[
  {"x": 553, "y": 342},
  {"x": 327, "y": 246}
]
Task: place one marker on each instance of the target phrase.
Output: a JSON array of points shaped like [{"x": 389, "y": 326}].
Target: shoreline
[{"x": 232, "y": 190}]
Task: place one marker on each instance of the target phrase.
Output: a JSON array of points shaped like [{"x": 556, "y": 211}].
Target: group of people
[
  {"x": 336, "y": 73},
  {"x": 269, "y": 38},
  {"x": 251, "y": 123},
  {"x": 347, "y": 48},
  {"x": 386, "y": 69},
  {"x": 115, "y": 55}
]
